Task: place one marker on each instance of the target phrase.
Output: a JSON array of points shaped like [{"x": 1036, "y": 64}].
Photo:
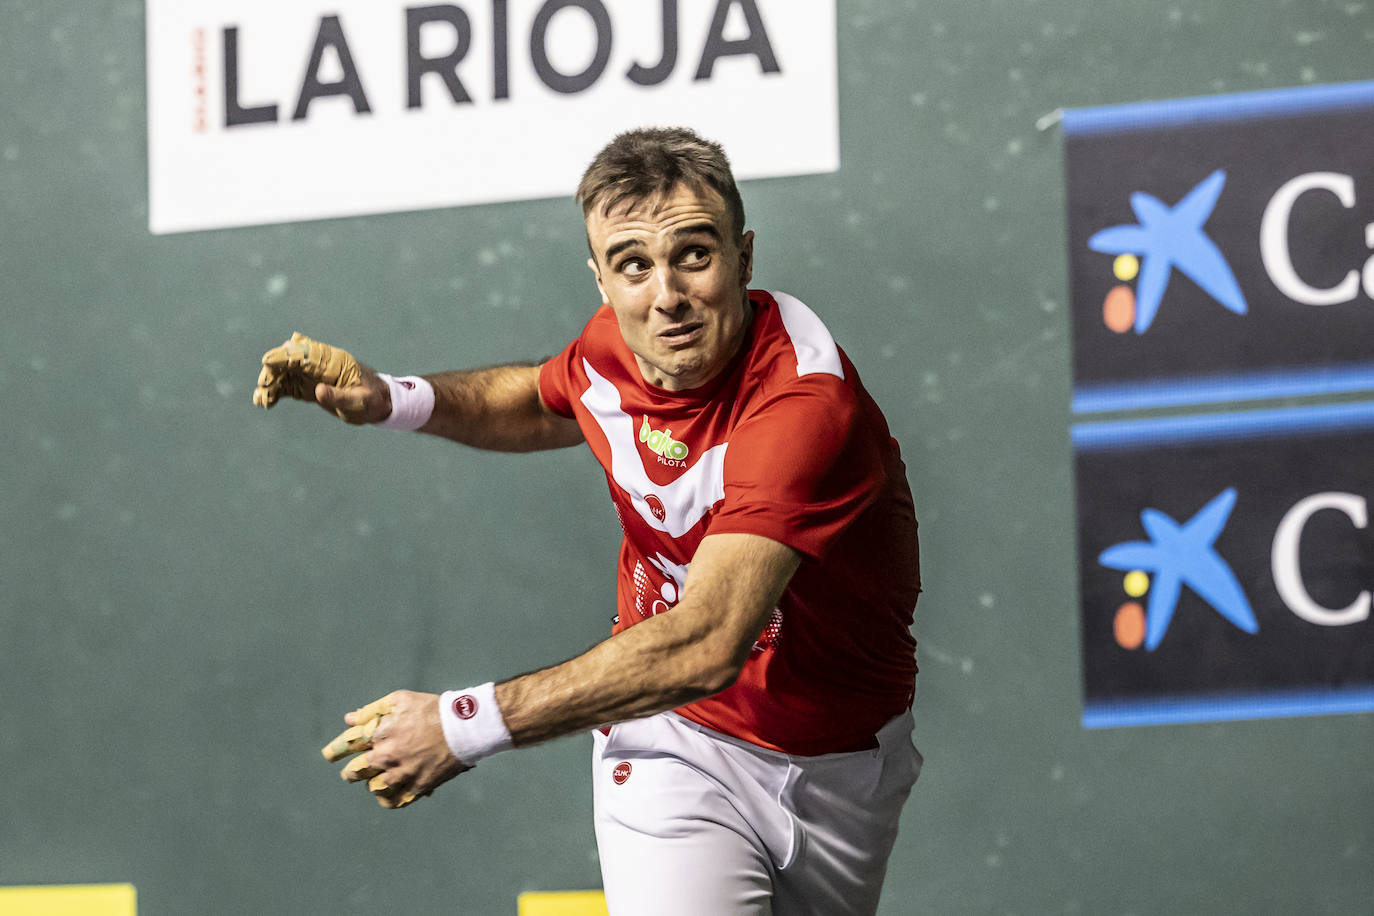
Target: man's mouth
[{"x": 681, "y": 334}]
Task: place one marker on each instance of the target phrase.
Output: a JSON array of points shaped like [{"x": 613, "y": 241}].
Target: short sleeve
[
  {"x": 801, "y": 468},
  {"x": 556, "y": 384}
]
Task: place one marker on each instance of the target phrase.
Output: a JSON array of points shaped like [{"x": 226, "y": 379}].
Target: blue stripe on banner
[
  {"x": 1109, "y": 119},
  {"x": 1250, "y": 386},
  {"x": 1227, "y": 707},
  {"x": 1219, "y": 427}
]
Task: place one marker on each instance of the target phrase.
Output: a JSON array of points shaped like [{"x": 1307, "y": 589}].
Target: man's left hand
[{"x": 400, "y": 745}]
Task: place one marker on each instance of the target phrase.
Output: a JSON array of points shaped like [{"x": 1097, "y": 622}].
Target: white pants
[{"x": 690, "y": 822}]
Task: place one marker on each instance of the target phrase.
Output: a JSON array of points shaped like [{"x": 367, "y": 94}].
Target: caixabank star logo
[
  {"x": 1226, "y": 564},
  {"x": 1174, "y": 556},
  {"x": 1222, "y": 248},
  {"x": 1164, "y": 240}
]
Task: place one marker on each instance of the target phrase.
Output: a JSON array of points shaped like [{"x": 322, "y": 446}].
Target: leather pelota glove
[{"x": 294, "y": 368}]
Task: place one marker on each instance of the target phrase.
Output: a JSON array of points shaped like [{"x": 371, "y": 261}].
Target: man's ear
[
  {"x": 591, "y": 262},
  {"x": 746, "y": 257}
]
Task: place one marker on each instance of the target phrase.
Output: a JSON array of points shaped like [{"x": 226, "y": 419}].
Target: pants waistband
[{"x": 893, "y": 734}]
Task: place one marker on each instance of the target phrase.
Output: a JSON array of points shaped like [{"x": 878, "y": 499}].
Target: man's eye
[
  {"x": 633, "y": 267},
  {"x": 694, "y": 256}
]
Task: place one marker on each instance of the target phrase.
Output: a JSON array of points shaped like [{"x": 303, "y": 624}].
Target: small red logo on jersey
[
  {"x": 621, "y": 772},
  {"x": 465, "y": 706},
  {"x": 409, "y": 386},
  {"x": 656, "y": 507}
]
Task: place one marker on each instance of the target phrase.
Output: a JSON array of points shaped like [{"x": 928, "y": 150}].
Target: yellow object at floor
[
  {"x": 69, "y": 900},
  {"x": 561, "y": 903}
]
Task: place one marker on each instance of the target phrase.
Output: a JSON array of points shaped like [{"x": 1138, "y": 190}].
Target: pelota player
[{"x": 752, "y": 707}]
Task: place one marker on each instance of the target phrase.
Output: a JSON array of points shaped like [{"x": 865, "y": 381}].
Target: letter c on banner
[
  {"x": 1284, "y": 559},
  {"x": 1274, "y": 250}
]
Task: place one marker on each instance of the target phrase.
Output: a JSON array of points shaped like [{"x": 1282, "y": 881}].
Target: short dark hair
[{"x": 651, "y": 161}]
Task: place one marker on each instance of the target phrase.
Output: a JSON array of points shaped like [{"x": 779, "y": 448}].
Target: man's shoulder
[
  {"x": 600, "y": 337},
  {"x": 793, "y": 345},
  {"x": 600, "y": 324}
]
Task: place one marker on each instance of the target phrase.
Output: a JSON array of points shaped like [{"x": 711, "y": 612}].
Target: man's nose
[{"x": 669, "y": 291}]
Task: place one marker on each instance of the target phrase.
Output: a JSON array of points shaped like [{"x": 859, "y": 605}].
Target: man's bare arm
[
  {"x": 493, "y": 408},
  {"x": 691, "y": 652},
  {"x": 497, "y": 408}
]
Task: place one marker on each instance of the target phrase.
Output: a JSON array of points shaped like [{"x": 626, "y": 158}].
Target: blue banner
[{"x": 1222, "y": 255}]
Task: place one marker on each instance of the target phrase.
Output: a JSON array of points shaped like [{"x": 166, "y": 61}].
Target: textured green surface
[{"x": 193, "y": 591}]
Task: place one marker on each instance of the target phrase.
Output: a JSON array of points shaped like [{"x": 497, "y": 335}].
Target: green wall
[{"x": 193, "y": 591}]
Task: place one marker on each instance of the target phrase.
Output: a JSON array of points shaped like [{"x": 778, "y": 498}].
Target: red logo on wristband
[
  {"x": 465, "y": 706},
  {"x": 621, "y": 772}
]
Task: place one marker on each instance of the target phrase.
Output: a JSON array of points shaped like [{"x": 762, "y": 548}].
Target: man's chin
[{"x": 679, "y": 374}]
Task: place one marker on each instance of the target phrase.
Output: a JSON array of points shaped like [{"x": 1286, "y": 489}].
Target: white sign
[{"x": 263, "y": 111}]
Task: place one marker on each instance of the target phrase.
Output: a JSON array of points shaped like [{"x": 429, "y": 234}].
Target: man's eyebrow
[
  {"x": 618, "y": 247},
  {"x": 694, "y": 229},
  {"x": 698, "y": 229}
]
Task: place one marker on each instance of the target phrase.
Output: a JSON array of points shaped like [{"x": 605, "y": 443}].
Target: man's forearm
[
  {"x": 497, "y": 408},
  {"x": 689, "y": 653},
  {"x": 657, "y": 665}
]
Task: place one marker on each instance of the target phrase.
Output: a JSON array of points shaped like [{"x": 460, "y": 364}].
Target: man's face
[{"x": 676, "y": 274}]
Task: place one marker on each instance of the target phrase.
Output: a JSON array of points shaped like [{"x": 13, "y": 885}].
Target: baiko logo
[
  {"x": 669, "y": 450},
  {"x": 1165, "y": 239}
]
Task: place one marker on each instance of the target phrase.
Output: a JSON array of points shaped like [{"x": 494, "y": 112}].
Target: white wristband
[
  {"x": 472, "y": 723},
  {"x": 412, "y": 402}
]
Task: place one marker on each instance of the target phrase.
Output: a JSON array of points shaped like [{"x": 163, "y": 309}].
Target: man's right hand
[{"x": 308, "y": 370}]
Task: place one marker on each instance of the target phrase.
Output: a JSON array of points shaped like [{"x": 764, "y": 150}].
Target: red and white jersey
[{"x": 784, "y": 443}]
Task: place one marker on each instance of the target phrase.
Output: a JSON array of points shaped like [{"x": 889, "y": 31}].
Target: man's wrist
[
  {"x": 473, "y": 725},
  {"x": 412, "y": 402}
]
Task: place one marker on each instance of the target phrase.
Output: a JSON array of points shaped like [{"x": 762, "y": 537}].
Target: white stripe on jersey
[
  {"x": 686, "y": 499},
  {"x": 816, "y": 350}
]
